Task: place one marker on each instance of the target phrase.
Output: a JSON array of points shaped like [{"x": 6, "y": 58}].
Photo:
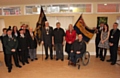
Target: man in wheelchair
[{"x": 78, "y": 48}]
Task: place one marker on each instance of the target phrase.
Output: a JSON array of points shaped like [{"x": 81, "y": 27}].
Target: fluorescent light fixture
[
  {"x": 105, "y": 4},
  {"x": 71, "y": 8}
]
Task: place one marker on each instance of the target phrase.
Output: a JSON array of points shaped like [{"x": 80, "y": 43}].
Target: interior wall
[
  {"x": 90, "y": 19},
  {"x": 2, "y": 25}
]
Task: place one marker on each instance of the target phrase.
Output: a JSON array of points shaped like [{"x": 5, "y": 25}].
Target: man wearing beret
[{"x": 10, "y": 43}]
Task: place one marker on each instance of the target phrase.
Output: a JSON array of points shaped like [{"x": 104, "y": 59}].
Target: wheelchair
[{"x": 84, "y": 59}]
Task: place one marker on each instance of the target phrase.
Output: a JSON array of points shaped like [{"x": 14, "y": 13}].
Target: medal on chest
[{"x": 47, "y": 33}]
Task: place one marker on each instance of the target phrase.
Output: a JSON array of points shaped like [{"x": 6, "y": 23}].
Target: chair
[{"x": 85, "y": 59}]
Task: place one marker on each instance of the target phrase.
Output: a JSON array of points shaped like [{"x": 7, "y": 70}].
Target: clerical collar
[{"x": 22, "y": 35}]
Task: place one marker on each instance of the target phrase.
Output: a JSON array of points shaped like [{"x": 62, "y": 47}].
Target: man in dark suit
[
  {"x": 78, "y": 48},
  {"x": 113, "y": 42},
  {"x": 1, "y": 38},
  {"x": 22, "y": 47},
  {"x": 97, "y": 39},
  {"x": 59, "y": 38},
  {"x": 47, "y": 34},
  {"x": 10, "y": 43}
]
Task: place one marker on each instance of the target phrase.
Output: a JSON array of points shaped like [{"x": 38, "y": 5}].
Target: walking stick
[{"x": 42, "y": 51}]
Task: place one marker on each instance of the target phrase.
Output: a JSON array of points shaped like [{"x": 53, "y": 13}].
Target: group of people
[
  {"x": 57, "y": 37},
  {"x": 22, "y": 43},
  {"x": 105, "y": 40},
  {"x": 19, "y": 44}
]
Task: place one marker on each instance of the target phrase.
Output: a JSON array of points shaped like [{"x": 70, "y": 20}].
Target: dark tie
[{"x": 113, "y": 32}]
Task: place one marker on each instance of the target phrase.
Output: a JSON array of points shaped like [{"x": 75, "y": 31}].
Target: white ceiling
[{"x": 21, "y": 2}]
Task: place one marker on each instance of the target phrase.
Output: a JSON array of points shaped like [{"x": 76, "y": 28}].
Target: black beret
[{"x": 9, "y": 28}]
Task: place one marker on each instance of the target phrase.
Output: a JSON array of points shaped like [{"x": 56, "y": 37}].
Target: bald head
[
  {"x": 46, "y": 23},
  {"x": 80, "y": 37}
]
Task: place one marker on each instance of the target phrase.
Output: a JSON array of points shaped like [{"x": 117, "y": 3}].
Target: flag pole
[
  {"x": 41, "y": 21},
  {"x": 42, "y": 35}
]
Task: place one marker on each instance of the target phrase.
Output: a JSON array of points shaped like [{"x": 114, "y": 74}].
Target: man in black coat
[
  {"x": 97, "y": 39},
  {"x": 78, "y": 48},
  {"x": 11, "y": 43},
  {"x": 59, "y": 38},
  {"x": 113, "y": 42},
  {"x": 47, "y": 34},
  {"x": 22, "y": 47}
]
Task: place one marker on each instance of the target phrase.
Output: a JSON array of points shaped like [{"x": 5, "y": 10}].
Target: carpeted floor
[{"x": 60, "y": 69}]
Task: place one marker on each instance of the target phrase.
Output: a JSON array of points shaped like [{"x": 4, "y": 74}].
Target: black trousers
[
  {"x": 5, "y": 59},
  {"x": 15, "y": 58},
  {"x": 46, "y": 50},
  {"x": 103, "y": 54},
  {"x": 23, "y": 56},
  {"x": 74, "y": 57},
  {"x": 9, "y": 61},
  {"x": 68, "y": 49},
  {"x": 59, "y": 51},
  {"x": 113, "y": 53},
  {"x": 18, "y": 54},
  {"x": 97, "y": 48}
]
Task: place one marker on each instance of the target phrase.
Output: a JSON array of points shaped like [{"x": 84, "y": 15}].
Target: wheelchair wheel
[{"x": 85, "y": 58}]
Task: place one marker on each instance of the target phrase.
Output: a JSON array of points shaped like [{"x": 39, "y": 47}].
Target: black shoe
[
  {"x": 28, "y": 56},
  {"x": 31, "y": 59},
  {"x": 46, "y": 58},
  {"x": 51, "y": 58},
  {"x": 36, "y": 58},
  {"x": 112, "y": 63},
  {"x": 9, "y": 70},
  {"x": 96, "y": 56},
  {"x": 62, "y": 59},
  {"x": 102, "y": 59},
  {"x": 23, "y": 63},
  {"x": 109, "y": 61},
  {"x": 56, "y": 59},
  {"x": 19, "y": 66},
  {"x": 27, "y": 62}
]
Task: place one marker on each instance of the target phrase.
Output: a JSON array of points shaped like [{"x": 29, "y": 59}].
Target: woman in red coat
[{"x": 70, "y": 38}]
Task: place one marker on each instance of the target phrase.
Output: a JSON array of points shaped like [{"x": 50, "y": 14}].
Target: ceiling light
[{"x": 105, "y": 4}]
